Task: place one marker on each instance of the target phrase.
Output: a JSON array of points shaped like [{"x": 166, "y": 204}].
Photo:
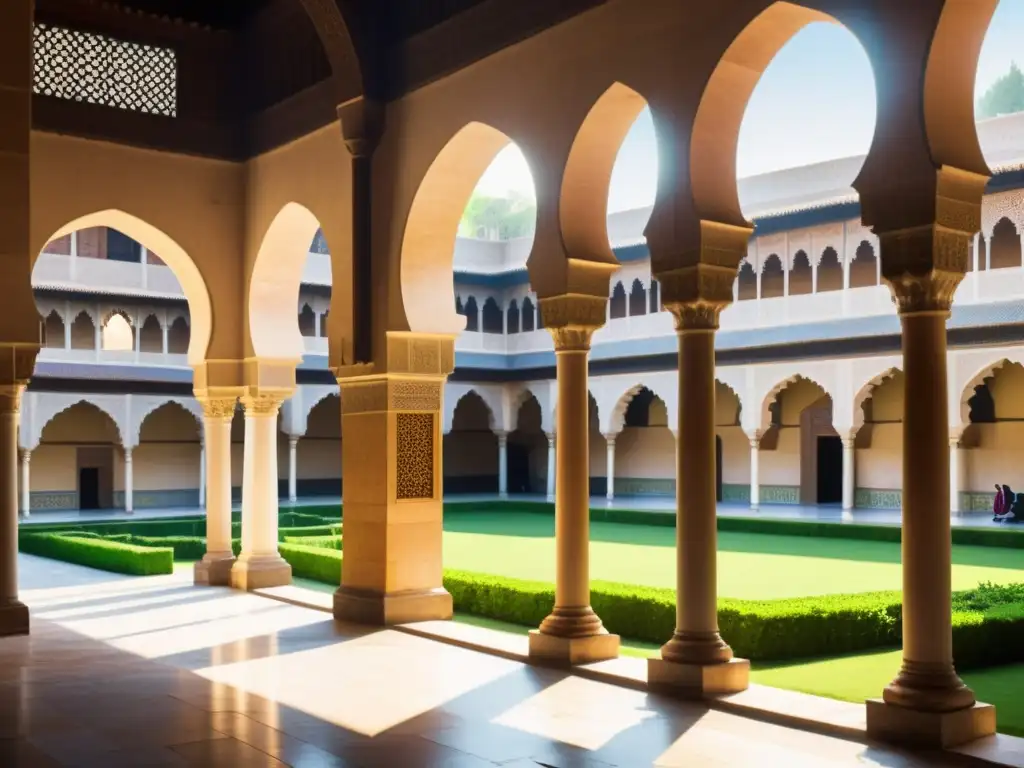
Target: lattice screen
[{"x": 81, "y": 66}]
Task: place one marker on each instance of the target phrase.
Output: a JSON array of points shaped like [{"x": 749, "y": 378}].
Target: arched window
[
  {"x": 864, "y": 269},
  {"x": 472, "y": 315},
  {"x": 655, "y": 296},
  {"x": 773, "y": 279},
  {"x": 323, "y": 324},
  {"x": 178, "y": 336},
  {"x": 618, "y": 303},
  {"x": 512, "y": 317},
  {"x": 746, "y": 282},
  {"x": 458, "y": 306},
  {"x": 307, "y": 321},
  {"x": 118, "y": 334},
  {"x": 830, "y": 272},
  {"x": 529, "y": 318},
  {"x": 83, "y": 332},
  {"x": 1006, "y": 251},
  {"x": 637, "y": 299},
  {"x": 800, "y": 276},
  {"x": 151, "y": 336},
  {"x": 53, "y": 330},
  {"x": 492, "y": 320}
]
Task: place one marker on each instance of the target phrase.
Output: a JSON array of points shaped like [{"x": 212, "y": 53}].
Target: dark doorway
[
  {"x": 718, "y": 469},
  {"x": 830, "y": 470},
  {"x": 518, "y": 468},
  {"x": 88, "y": 488}
]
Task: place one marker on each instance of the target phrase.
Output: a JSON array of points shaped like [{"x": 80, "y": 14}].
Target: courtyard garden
[{"x": 815, "y": 606}]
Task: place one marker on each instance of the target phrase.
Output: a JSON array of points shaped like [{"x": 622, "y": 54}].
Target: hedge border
[{"x": 114, "y": 556}]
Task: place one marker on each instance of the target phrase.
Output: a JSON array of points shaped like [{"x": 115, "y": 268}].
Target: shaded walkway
[{"x": 148, "y": 671}]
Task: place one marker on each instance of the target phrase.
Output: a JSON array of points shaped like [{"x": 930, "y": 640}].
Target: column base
[
  {"x": 13, "y": 618},
  {"x": 697, "y": 681},
  {"x": 214, "y": 570},
  {"x": 261, "y": 571},
  {"x": 385, "y": 609},
  {"x": 930, "y": 730},
  {"x": 570, "y": 651}
]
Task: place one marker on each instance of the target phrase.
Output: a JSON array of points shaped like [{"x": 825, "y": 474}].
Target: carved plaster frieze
[
  {"x": 363, "y": 396},
  {"x": 422, "y": 395},
  {"x": 420, "y": 354}
]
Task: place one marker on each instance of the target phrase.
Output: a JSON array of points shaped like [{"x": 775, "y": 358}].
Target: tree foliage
[
  {"x": 1005, "y": 96},
  {"x": 501, "y": 218}
]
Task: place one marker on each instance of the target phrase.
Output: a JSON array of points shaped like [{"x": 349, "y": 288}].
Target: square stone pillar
[{"x": 391, "y": 461}]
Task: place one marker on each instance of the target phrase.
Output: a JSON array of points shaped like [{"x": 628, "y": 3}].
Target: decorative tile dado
[
  {"x": 878, "y": 498},
  {"x": 53, "y": 500},
  {"x": 735, "y": 494},
  {"x": 780, "y": 494},
  {"x": 645, "y": 486},
  {"x": 977, "y": 501}
]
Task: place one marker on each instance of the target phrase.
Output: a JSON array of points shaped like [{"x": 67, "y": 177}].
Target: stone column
[
  {"x": 129, "y": 482},
  {"x": 610, "y": 472},
  {"x": 293, "y": 449},
  {"x": 697, "y": 661},
  {"x": 391, "y": 450},
  {"x": 215, "y": 567},
  {"x": 26, "y": 483},
  {"x": 927, "y": 702},
  {"x": 13, "y": 613},
  {"x": 955, "y": 476},
  {"x": 164, "y": 346},
  {"x": 551, "y": 467},
  {"x": 260, "y": 564},
  {"x": 202, "y": 475},
  {"x": 849, "y": 472},
  {"x": 572, "y": 633},
  {"x": 755, "y": 479},
  {"x": 503, "y": 465}
]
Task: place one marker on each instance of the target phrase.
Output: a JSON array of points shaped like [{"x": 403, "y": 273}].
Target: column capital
[
  {"x": 610, "y": 438},
  {"x": 362, "y": 124},
  {"x": 128, "y": 453},
  {"x": 262, "y": 404},
  {"x": 293, "y": 440},
  {"x": 572, "y": 318},
  {"x": 754, "y": 439},
  {"x": 697, "y": 294},
  {"x": 10, "y": 397},
  {"x": 218, "y": 407},
  {"x": 502, "y": 435},
  {"x": 26, "y": 455},
  {"x": 849, "y": 442}
]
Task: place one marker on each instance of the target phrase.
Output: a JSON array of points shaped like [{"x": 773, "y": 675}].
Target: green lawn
[{"x": 750, "y": 565}]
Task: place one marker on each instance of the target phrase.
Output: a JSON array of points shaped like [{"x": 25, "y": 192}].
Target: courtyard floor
[
  {"x": 750, "y": 565},
  {"x": 123, "y": 671}
]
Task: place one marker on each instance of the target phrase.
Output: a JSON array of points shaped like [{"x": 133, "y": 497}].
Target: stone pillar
[
  {"x": 610, "y": 472},
  {"x": 67, "y": 327},
  {"x": 572, "y": 633},
  {"x": 260, "y": 564},
  {"x": 164, "y": 346},
  {"x": 13, "y": 613},
  {"x": 697, "y": 661},
  {"x": 202, "y": 475},
  {"x": 849, "y": 472},
  {"x": 215, "y": 567},
  {"x": 391, "y": 452},
  {"x": 927, "y": 702},
  {"x": 955, "y": 476},
  {"x": 551, "y": 467},
  {"x": 503, "y": 465},
  {"x": 26, "y": 483},
  {"x": 755, "y": 478},
  {"x": 293, "y": 449},
  {"x": 129, "y": 482}
]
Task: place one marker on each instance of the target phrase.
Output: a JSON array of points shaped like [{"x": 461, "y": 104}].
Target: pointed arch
[
  {"x": 46, "y": 409},
  {"x": 173, "y": 255},
  {"x": 274, "y": 284},
  {"x": 768, "y": 402},
  {"x": 617, "y": 307},
  {"x": 616, "y": 418},
  {"x": 53, "y": 330},
  {"x": 637, "y": 299},
  {"x": 187, "y": 405},
  {"x": 867, "y": 389},
  {"x": 428, "y": 243}
]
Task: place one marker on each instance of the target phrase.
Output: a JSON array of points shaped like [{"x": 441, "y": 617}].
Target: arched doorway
[
  {"x": 318, "y": 453},
  {"x": 879, "y": 446},
  {"x": 471, "y": 449},
  {"x": 76, "y": 464},
  {"x": 165, "y": 466},
  {"x": 528, "y": 449}
]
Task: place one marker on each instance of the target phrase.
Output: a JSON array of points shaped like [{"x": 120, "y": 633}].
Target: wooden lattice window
[{"x": 96, "y": 69}]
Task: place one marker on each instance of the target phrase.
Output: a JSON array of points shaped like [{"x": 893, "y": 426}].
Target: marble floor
[
  {"x": 822, "y": 513},
  {"x": 123, "y": 671}
]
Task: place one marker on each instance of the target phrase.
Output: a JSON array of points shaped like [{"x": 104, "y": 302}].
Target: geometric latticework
[
  {"x": 415, "y": 459},
  {"x": 95, "y": 69}
]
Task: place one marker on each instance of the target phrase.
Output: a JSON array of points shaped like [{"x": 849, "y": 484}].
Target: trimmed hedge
[
  {"x": 315, "y": 563},
  {"x": 323, "y": 542},
  {"x": 313, "y": 530},
  {"x": 186, "y": 548},
  {"x": 97, "y": 553}
]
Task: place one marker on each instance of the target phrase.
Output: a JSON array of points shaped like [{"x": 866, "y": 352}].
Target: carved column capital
[
  {"x": 697, "y": 294},
  {"x": 10, "y": 397},
  {"x": 362, "y": 124},
  {"x": 923, "y": 266},
  {"x": 572, "y": 318},
  {"x": 262, "y": 404},
  {"x": 218, "y": 408}
]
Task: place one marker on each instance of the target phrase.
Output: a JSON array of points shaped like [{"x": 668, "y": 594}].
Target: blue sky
[{"x": 815, "y": 102}]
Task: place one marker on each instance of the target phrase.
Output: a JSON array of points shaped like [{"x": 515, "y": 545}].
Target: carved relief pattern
[
  {"x": 10, "y": 398},
  {"x": 218, "y": 407},
  {"x": 1008, "y": 205},
  {"x": 415, "y": 456},
  {"x": 416, "y": 395},
  {"x": 572, "y": 338},
  {"x": 363, "y": 398},
  {"x": 262, "y": 405},
  {"x": 924, "y": 266}
]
